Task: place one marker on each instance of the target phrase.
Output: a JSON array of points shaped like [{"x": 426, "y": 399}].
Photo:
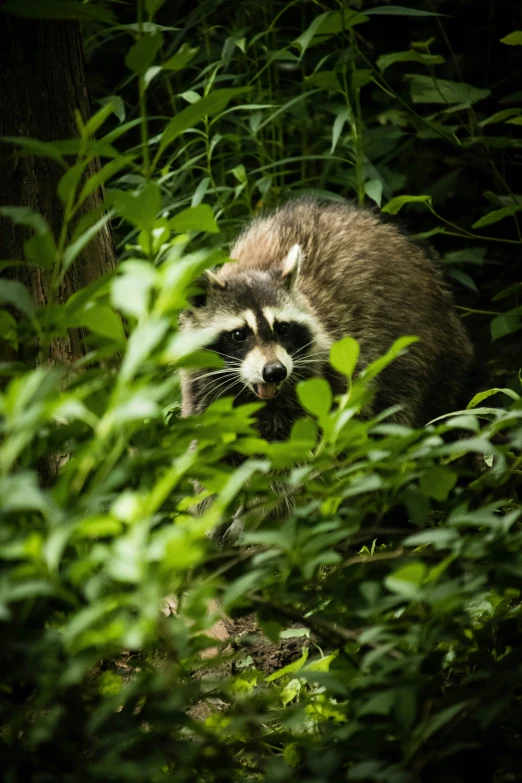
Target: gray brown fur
[{"x": 359, "y": 276}]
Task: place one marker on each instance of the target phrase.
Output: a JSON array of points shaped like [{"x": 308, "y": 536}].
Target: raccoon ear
[
  {"x": 206, "y": 282},
  {"x": 291, "y": 266}
]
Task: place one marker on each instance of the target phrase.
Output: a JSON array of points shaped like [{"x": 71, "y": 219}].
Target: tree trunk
[{"x": 42, "y": 83}]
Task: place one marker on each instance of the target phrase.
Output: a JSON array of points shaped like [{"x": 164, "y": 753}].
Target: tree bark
[{"x": 42, "y": 83}]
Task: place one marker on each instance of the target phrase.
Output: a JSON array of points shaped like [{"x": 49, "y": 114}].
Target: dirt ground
[{"x": 244, "y": 641}]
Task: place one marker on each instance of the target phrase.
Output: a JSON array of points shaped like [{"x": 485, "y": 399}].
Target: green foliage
[{"x": 377, "y": 625}]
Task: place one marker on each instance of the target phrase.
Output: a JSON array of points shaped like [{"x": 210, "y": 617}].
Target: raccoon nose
[{"x": 274, "y": 372}]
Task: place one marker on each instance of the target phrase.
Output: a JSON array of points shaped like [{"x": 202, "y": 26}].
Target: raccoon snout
[{"x": 274, "y": 372}]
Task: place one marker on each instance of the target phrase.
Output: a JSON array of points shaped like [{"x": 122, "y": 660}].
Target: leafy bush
[{"x": 375, "y": 630}]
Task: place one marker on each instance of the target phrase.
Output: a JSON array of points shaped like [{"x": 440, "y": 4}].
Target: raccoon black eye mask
[
  {"x": 307, "y": 275},
  {"x": 266, "y": 353}
]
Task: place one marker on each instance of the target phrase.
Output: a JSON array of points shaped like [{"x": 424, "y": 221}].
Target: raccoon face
[{"x": 264, "y": 329}]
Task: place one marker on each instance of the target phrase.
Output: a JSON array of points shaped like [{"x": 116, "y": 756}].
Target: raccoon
[{"x": 307, "y": 275}]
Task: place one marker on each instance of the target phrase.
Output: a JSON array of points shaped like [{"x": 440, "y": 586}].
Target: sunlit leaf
[
  {"x": 198, "y": 218},
  {"x": 513, "y": 39},
  {"x": 344, "y": 355},
  {"x": 396, "y": 204},
  {"x": 315, "y": 395},
  {"x": 407, "y": 580}
]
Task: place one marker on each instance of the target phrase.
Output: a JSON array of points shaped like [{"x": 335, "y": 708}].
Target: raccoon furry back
[{"x": 305, "y": 276}]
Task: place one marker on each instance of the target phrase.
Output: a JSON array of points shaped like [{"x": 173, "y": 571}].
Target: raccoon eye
[
  {"x": 282, "y": 329},
  {"x": 239, "y": 335}
]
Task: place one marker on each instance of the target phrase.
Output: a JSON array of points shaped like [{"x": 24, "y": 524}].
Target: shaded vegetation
[{"x": 410, "y": 666}]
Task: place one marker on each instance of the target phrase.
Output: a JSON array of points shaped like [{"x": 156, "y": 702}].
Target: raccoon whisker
[
  {"x": 240, "y": 391},
  {"x": 234, "y": 377},
  {"x": 308, "y": 360},
  {"x": 227, "y": 356},
  {"x": 321, "y": 352},
  {"x": 320, "y": 356},
  {"x": 223, "y": 392},
  {"x": 303, "y": 347},
  {"x": 223, "y": 371},
  {"x": 306, "y": 363},
  {"x": 217, "y": 394}
]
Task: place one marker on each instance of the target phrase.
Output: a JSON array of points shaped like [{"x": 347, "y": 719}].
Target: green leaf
[
  {"x": 211, "y": 104},
  {"x": 8, "y": 328},
  {"x": 24, "y": 216},
  {"x": 506, "y": 324},
  {"x": 478, "y": 398},
  {"x": 182, "y": 57},
  {"x": 329, "y": 23},
  {"x": 104, "y": 321},
  {"x": 304, "y": 430},
  {"x": 153, "y": 6},
  {"x": 399, "y": 10},
  {"x": 326, "y": 80},
  {"x": 112, "y": 105},
  {"x": 295, "y": 633},
  {"x": 424, "y": 730},
  {"x": 69, "y": 182},
  {"x": 426, "y": 89},
  {"x": 398, "y": 347},
  {"x": 342, "y": 116},
  {"x": 141, "y": 56},
  {"x": 240, "y": 586},
  {"x": 516, "y": 288},
  {"x": 40, "y": 249},
  {"x": 140, "y": 209},
  {"x": 98, "y": 179},
  {"x": 14, "y": 293},
  {"x": 513, "y": 39},
  {"x": 344, "y": 355},
  {"x": 117, "y": 104},
  {"x": 109, "y": 684},
  {"x": 315, "y": 395},
  {"x": 373, "y": 189},
  {"x": 138, "y": 406},
  {"x": 76, "y": 247},
  {"x": 130, "y": 291},
  {"x": 396, "y": 204},
  {"x": 175, "y": 63},
  {"x": 99, "y": 527},
  {"x": 290, "y": 669},
  {"x": 142, "y": 341},
  {"x": 183, "y": 344},
  {"x": 59, "y": 9},
  {"x": 464, "y": 278},
  {"x": 199, "y": 218},
  {"x": 500, "y": 116},
  {"x": 437, "y": 482},
  {"x": 407, "y": 580},
  {"x": 45, "y": 149},
  {"x": 497, "y": 214},
  {"x": 386, "y": 60}
]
